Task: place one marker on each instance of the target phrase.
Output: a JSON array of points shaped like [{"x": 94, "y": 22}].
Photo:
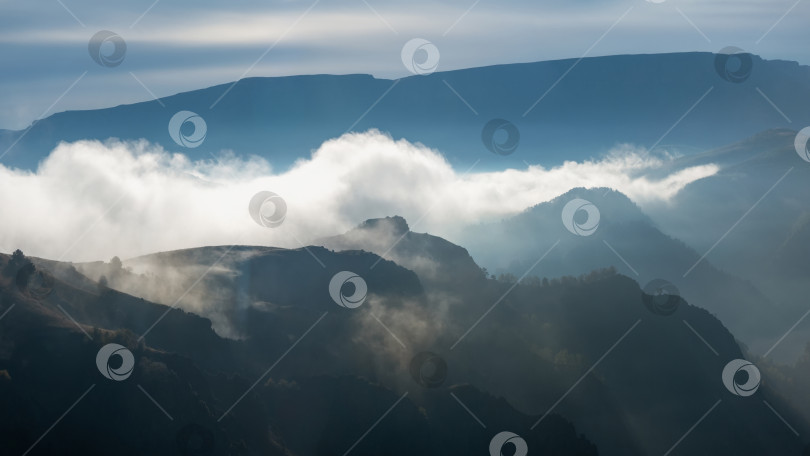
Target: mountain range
[
  {"x": 591, "y": 323},
  {"x": 562, "y": 110},
  {"x": 573, "y": 365}
]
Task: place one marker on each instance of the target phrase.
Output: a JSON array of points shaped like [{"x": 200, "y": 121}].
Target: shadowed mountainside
[
  {"x": 631, "y": 242},
  {"x": 191, "y": 403},
  {"x": 751, "y": 218},
  {"x": 628, "y": 376}
]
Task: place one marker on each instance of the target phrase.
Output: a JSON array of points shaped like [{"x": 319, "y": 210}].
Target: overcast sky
[{"x": 175, "y": 46}]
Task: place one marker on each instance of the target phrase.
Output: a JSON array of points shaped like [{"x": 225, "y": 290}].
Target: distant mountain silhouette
[
  {"x": 748, "y": 169},
  {"x": 603, "y": 101},
  {"x": 792, "y": 258},
  {"x": 624, "y": 233},
  {"x": 755, "y": 211}
]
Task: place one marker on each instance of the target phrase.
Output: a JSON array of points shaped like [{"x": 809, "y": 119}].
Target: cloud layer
[{"x": 90, "y": 200}]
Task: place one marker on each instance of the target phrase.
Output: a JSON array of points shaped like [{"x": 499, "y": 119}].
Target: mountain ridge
[
  {"x": 285, "y": 118},
  {"x": 529, "y": 350},
  {"x": 624, "y": 238}
]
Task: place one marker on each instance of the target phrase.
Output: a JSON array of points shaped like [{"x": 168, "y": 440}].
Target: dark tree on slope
[{"x": 18, "y": 258}]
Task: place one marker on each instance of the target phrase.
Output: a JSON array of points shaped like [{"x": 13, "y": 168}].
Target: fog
[{"x": 92, "y": 200}]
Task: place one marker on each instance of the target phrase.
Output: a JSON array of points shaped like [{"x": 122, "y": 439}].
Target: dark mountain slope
[
  {"x": 589, "y": 349},
  {"x": 170, "y": 406}
]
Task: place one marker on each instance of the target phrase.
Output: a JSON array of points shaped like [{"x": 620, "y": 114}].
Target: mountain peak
[
  {"x": 608, "y": 200},
  {"x": 396, "y": 225},
  {"x": 432, "y": 258}
]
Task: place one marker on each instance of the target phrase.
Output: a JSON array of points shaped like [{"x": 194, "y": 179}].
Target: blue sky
[{"x": 179, "y": 46}]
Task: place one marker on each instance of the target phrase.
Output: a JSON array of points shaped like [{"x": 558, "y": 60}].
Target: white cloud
[{"x": 90, "y": 200}]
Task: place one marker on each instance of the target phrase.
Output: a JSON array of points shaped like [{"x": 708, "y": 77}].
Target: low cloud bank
[{"x": 91, "y": 200}]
